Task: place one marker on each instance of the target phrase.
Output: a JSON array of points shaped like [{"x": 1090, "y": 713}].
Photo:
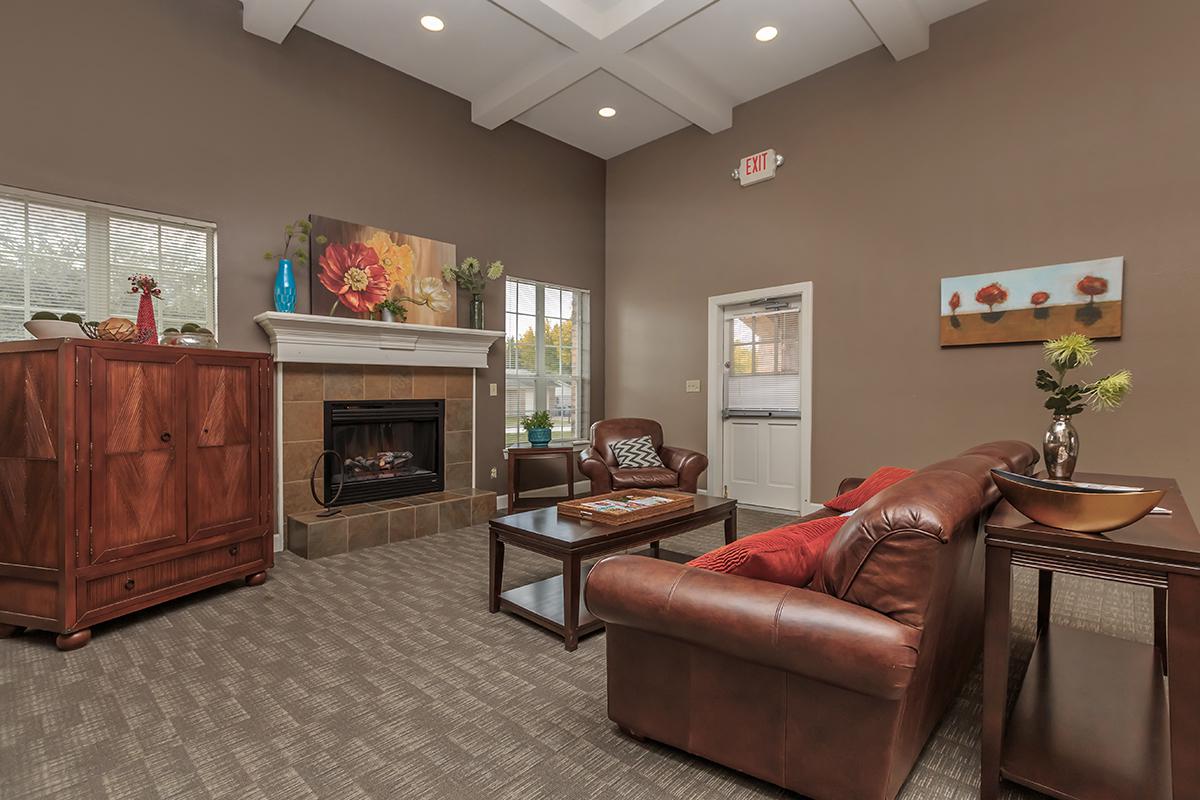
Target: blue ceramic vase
[
  {"x": 285, "y": 287},
  {"x": 540, "y": 437}
]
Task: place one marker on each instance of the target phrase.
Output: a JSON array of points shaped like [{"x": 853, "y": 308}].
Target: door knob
[{"x": 166, "y": 437}]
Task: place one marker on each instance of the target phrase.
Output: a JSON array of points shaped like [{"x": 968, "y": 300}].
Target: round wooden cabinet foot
[
  {"x": 632, "y": 735},
  {"x": 257, "y": 579},
  {"x": 73, "y": 641},
  {"x": 9, "y": 630}
]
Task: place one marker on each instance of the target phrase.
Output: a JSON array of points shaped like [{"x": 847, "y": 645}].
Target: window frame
[
  {"x": 97, "y": 291},
  {"x": 541, "y": 378}
]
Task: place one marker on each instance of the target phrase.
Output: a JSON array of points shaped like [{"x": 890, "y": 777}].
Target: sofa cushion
[
  {"x": 880, "y": 479},
  {"x": 649, "y": 478},
  {"x": 636, "y": 453},
  {"x": 787, "y": 555}
]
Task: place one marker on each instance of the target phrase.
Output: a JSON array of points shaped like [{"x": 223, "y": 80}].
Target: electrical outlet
[
  {"x": 492, "y": 391},
  {"x": 692, "y": 386},
  {"x": 494, "y": 473}
]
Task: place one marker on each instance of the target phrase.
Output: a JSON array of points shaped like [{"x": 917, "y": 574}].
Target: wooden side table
[
  {"x": 518, "y": 453},
  {"x": 1097, "y": 716}
]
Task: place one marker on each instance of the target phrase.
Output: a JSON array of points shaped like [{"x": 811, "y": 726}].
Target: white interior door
[{"x": 761, "y": 414}]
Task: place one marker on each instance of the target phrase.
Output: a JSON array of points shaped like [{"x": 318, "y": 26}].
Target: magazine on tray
[{"x": 621, "y": 505}]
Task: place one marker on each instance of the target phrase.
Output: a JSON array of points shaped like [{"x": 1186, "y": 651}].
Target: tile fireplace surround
[{"x": 320, "y": 359}]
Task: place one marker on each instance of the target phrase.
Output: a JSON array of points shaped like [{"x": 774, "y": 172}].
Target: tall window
[
  {"x": 59, "y": 254},
  {"x": 546, "y": 357}
]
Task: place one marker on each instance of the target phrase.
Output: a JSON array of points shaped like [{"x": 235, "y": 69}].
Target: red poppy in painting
[
  {"x": 354, "y": 274},
  {"x": 1092, "y": 286},
  {"x": 1039, "y": 298},
  {"x": 955, "y": 302},
  {"x": 991, "y": 295}
]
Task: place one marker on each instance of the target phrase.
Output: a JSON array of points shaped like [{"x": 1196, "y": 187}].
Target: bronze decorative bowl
[{"x": 1075, "y": 509}]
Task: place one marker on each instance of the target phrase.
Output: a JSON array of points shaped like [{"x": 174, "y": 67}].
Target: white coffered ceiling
[{"x": 662, "y": 64}]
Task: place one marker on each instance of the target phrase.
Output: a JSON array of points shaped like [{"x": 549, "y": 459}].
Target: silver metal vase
[{"x": 1061, "y": 448}]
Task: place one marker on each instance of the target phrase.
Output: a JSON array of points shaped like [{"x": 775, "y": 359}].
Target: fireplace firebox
[{"x": 386, "y": 449}]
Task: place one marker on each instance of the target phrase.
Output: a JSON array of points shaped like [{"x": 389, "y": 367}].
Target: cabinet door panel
[
  {"x": 138, "y": 419},
  {"x": 223, "y": 447}
]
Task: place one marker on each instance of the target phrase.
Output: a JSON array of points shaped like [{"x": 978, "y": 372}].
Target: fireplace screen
[{"x": 386, "y": 449}]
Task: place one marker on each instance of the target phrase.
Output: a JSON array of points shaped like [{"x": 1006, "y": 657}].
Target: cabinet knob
[
  {"x": 129, "y": 584},
  {"x": 166, "y": 437},
  {"x": 233, "y": 549}
]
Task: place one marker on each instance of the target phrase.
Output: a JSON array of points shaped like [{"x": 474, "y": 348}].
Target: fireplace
[{"x": 386, "y": 449}]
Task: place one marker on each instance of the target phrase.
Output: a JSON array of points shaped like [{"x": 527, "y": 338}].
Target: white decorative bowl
[{"x": 55, "y": 329}]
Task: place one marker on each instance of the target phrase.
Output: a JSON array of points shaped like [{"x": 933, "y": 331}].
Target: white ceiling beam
[
  {"x": 515, "y": 97},
  {"x": 272, "y": 19},
  {"x": 603, "y": 42},
  {"x": 899, "y": 24}
]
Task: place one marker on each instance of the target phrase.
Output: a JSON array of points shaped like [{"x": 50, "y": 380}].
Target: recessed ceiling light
[
  {"x": 767, "y": 33},
  {"x": 432, "y": 23},
  {"x": 607, "y": 111}
]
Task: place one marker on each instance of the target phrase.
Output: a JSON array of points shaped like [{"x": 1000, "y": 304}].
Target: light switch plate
[
  {"x": 493, "y": 468},
  {"x": 492, "y": 389},
  {"x": 692, "y": 386}
]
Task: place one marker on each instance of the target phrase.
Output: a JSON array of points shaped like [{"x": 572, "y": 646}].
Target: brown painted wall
[
  {"x": 171, "y": 106},
  {"x": 1030, "y": 133}
]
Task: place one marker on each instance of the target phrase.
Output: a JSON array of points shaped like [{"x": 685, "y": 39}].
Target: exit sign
[{"x": 758, "y": 167}]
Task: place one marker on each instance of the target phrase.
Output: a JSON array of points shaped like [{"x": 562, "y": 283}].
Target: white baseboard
[{"x": 582, "y": 488}]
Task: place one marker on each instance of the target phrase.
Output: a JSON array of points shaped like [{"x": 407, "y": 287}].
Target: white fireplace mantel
[{"x": 313, "y": 339}]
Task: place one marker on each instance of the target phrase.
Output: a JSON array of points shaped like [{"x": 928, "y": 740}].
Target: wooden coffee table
[
  {"x": 556, "y": 603},
  {"x": 1097, "y": 716}
]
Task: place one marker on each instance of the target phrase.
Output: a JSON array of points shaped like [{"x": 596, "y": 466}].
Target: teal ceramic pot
[{"x": 540, "y": 437}]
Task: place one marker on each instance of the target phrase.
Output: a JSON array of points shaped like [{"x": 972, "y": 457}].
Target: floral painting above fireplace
[
  {"x": 1034, "y": 304},
  {"x": 359, "y": 268}
]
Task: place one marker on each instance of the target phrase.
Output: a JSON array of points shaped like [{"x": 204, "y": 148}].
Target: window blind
[
  {"x": 64, "y": 255},
  {"x": 763, "y": 353},
  {"x": 546, "y": 357}
]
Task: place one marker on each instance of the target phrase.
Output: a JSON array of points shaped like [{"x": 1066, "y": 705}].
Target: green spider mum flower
[
  {"x": 1070, "y": 351},
  {"x": 1109, "y": 392},
  {"x": 495, "y": 270}
]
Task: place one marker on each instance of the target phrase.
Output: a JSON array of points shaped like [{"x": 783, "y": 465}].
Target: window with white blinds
[
  {"x": 64, "y": 255},
  {"x": 546, "y": 357},
  {"x": 763, "y": 348}
]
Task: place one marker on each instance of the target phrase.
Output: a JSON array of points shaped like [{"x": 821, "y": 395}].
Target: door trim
[{"x": 716, "y": 352}]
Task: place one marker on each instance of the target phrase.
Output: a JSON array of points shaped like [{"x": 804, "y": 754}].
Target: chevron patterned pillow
[{"x": 636, "y": 453}]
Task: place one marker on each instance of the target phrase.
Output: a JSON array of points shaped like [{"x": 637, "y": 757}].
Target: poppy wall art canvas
[
  {"x": 1034, "y": 304},
  {"x": 356, "y": 268}
]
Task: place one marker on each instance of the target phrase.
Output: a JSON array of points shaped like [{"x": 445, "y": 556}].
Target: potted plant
[
  {"x": 537, "y": 428},
  {"x": 1061, "y": 443},
  {"x": 472, "y": 277},
  {"x": 391, "y": 310},
  {"x": 285, "y": 279}
]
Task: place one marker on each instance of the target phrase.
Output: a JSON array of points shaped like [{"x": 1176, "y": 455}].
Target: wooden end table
[
  {"x": 518, "y": 453},
  {"x": 556, "y": 603},
  {"x": 1097, "y": 716}
]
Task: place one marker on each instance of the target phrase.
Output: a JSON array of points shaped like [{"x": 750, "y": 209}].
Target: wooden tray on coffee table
[{"x": 584, "y": 507}]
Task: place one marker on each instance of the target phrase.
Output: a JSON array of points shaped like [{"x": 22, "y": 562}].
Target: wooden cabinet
[{"x": 129, "y": 475}]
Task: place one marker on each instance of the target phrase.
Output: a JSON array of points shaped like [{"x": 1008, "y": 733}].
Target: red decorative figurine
[{"x": 147, "y": 285}]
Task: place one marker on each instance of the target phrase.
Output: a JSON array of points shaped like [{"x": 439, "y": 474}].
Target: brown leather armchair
[
  {"x": 831, "y": 690},
  {"x": 683, "y": 467}
]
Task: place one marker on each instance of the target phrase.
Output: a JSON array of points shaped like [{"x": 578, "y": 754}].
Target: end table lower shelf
[{"x": 1091, "y": 719}]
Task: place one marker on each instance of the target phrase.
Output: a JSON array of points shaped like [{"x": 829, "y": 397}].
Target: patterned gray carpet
[{"x": 380, "y": 674}]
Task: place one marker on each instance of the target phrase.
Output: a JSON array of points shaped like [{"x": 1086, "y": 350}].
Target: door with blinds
[{"x": 761, "y": 409}]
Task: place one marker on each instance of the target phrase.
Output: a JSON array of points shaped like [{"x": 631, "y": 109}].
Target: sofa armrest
[
  {"x": 800, "y": 631},
  {"x": 594, "y": 467},
  {"x": 688, "y": 464},
  {"x": 849, "y": 483}
]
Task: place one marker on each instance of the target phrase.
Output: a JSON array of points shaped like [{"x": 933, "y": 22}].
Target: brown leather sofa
[
  {"x": 683, "y": 467},
  {"x": 832, "y": 690}
]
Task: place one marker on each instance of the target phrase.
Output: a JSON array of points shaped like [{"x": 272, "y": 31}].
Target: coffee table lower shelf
[
  {"x": 1091, "y": 720},
  {"x": 542, "y": 603}
]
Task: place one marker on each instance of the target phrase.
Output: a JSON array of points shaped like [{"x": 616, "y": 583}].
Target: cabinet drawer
[{"x": 131, "y": 584}]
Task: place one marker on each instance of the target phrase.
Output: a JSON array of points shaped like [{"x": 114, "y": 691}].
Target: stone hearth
[{"x": 370, "y": 524}]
